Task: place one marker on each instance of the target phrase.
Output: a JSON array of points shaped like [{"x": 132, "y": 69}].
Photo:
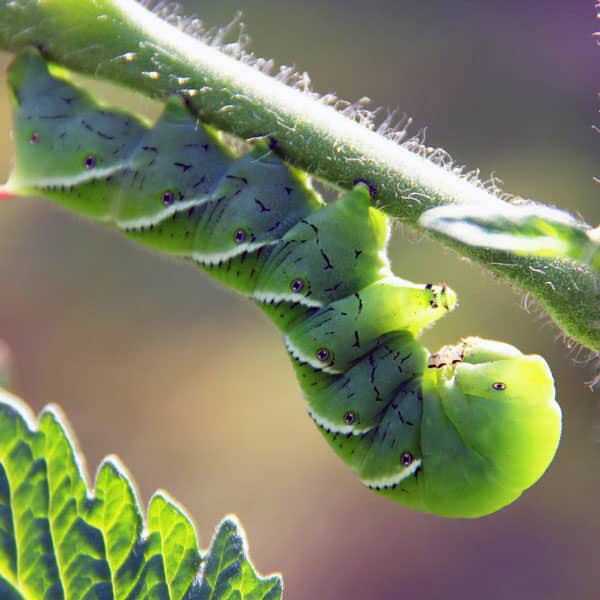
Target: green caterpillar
[{"x": 460, "y": 433}]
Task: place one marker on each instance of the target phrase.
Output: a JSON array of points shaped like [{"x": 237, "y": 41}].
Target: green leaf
[
  {"x": 8, "y": 591},
  {"x": 527, "y": 229},
  {"x": 229, "y": 574},
  {"x": 58, "y": 540}
]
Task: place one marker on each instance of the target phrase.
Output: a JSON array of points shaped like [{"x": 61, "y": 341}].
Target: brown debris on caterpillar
[{"x": 447, "y": 355}]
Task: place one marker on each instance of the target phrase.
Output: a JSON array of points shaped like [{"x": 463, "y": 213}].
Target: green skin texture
[{"x": 461, "y": 438}]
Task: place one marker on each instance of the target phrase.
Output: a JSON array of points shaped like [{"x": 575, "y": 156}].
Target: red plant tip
[{"x": 5, "y": 194}]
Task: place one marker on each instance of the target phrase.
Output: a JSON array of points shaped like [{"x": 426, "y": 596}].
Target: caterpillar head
[{"x": 490, "y": 428}]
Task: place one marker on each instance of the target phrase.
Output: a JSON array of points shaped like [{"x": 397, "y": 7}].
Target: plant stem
[{"x": 119, "y": 40}]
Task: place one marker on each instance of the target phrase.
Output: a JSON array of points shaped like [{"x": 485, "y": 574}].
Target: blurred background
[{"x": 190, "y": 385}]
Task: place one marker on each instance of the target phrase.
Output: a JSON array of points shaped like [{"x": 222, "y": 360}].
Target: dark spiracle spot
[
  {"x": 406, "y": 458},
  {"x": 433, "y": 304},
  {"x": 239, "y": 236},
  {"x": 349, "y": 418},
  {"x": 499, "y": 386},
  {"x": 297, "y": 285},
  {"x": 323, "y": 354},
  {"x": 168, "y": 198},
  {"x": 90, "y": 161},
  {"x": 35, "y": 137}
]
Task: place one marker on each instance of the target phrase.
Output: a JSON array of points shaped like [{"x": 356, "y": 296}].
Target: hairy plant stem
[{"x": 121, "y": 41}]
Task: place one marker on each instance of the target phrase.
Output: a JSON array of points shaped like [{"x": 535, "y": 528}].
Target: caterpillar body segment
[
  {"x": 355, "y": 401},
  {"x": 322, "y": 240},
  {"x": 244, "y": 214},
  {"x": 54, "y": 119},
  {"x": 459, "y": 433},
  {"x": 388, "y": 458}
]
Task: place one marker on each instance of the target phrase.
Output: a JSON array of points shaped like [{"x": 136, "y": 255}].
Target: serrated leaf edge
[{"x": 232, "y": 521}]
